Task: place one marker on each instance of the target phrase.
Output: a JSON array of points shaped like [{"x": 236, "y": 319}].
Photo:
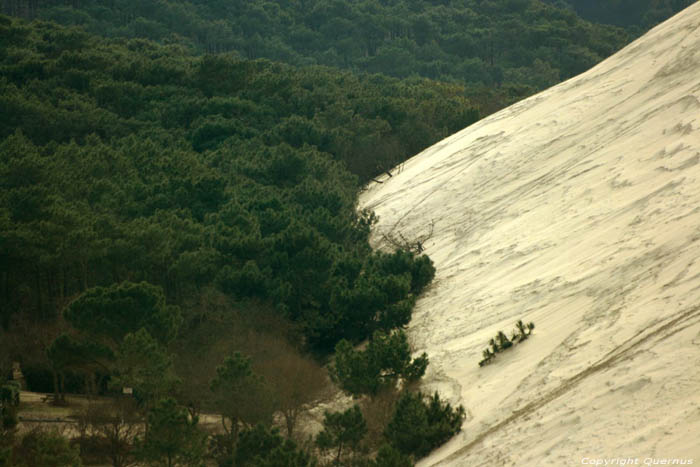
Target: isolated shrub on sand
[{"x": 501, "y": 342}]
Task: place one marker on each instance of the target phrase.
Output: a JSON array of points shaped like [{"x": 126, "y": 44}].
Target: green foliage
[
  {"x": 523, "y": 330},
  {"x": 376, "y": 296},
  {"x": 342, "y": 431},
  {"x": 172, "y": 438},
  {"x": 9, "y": 394},
  {"x": 114, "y": 326},
  {"x": 635, "y": 15},
  {"x": 128, "y": 162},
  {"x": 68, "y": 352},
  {"x": 389, "y": 456},
  {"x": 9, "y": 401},
  {"x": 142, "y": 364},
  {"x": 514, "y": 44},
  {"x": 124, "y": 308},
  {"x": 421, "y": 423},
  {"x": 136, "y": 176},
  {"x": 263, "y": 447},
  {"x": 45, "y": 448},
  {"x": 501, "y": 342},
  {"x": 73, "y": 356},
  {"x": 241, "y": 396},
  {"x": 386, "y": 360}
]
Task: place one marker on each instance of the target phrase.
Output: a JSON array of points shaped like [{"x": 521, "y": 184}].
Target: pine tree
[
  {"x": 494, "y": 346},
  {"x": 503, "y": 341},
  {"x": 241, "y": 396},
  {"x": 388, "y": 456},
  {"x": 422, "y": 423},
  {"x": 487, "y": 357},
  {"x": 142, "y": 364},
  {"x": 262, "y": 447},
  {"x": 173, "y": 438},
  {"x": 342, "y": 430},
  {"x": 386, "y": 359},
  {"x": 521, "y": 329},
  {"x": 515, "y": 337}
]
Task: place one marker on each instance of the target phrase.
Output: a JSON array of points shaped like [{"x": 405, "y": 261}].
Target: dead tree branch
[{"x": 416, "y": 245}]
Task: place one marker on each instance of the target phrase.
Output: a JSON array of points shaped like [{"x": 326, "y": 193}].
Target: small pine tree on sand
[
  {"x": 503, "y": 341},
  {"x": 522, "y": 330},
  {"x": 487, "y": 357}
]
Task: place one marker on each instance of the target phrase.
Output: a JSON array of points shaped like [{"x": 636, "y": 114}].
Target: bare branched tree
[
  {"x": 415, "y": 245},
  {"x": 117, "y": 422},
  {"x": 298, "y": 380}
]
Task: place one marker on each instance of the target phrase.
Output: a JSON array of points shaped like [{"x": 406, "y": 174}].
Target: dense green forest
[
  {"x": 128, "y": 160},
  {"x": 502, "y": 50},
  {"x": 514, "y": 48},
  {"x": 636, "y": 16},
  {"x": 160, "y": 210},
  {"x": 178, "y": 213}
]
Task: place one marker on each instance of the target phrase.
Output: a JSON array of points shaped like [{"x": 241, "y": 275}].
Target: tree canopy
[
  {"x": 385, "y": 361},
  {"x": 128, "y": 162},
  {"x": 634, "y": 15},
  {"x": 121, "y": 309},
  {"x": 519, "y": 42}
]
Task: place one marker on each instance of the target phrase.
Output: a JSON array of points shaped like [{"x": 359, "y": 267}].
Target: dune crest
[{"x": 578, "y": 209}]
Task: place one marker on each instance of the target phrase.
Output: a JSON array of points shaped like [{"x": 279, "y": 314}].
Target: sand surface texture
[{"x": 577, "y": 209}]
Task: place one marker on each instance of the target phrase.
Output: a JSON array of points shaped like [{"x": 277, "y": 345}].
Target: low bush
[{"x": 501, "y": 342}]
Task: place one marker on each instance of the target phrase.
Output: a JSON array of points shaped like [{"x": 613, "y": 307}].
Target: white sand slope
[{"x": 578, "y": 209}]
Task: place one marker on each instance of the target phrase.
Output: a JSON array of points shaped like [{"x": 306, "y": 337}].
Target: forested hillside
[
  {"x": 503, "y": 50},
  {"x": 159, "y": 211},
  {"x": 130, "y": 160},
  {"x": 635, "y": 15},
  {"x": 178, "y": 212},
  {"x": 522, "y": 45}
]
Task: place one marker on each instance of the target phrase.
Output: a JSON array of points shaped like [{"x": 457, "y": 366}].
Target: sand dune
[{"x": 578, "y": 209}]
